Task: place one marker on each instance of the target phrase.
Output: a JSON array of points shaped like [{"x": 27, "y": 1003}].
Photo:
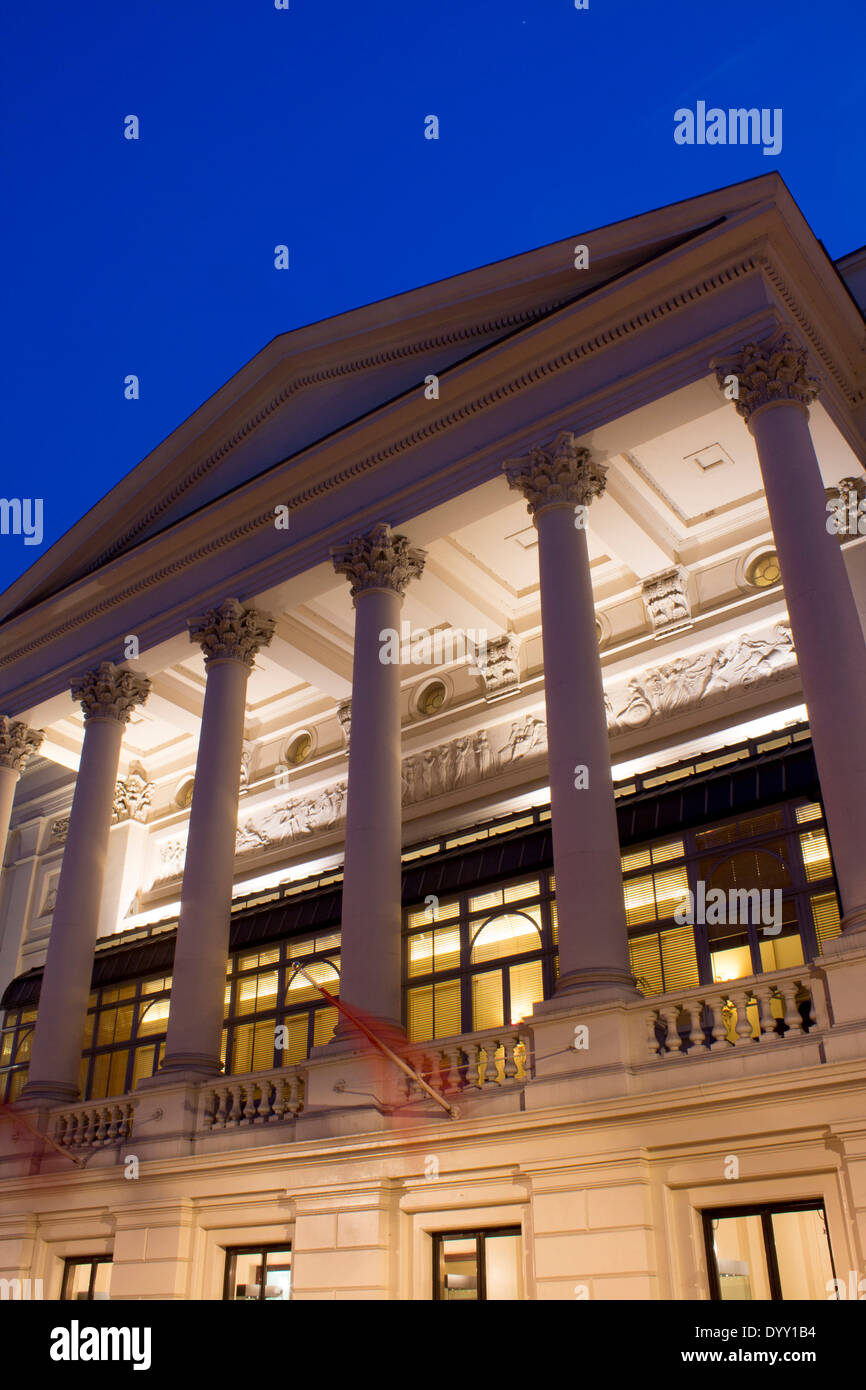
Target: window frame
[
  {"x": 70, "y": 1263},
  {"x": 480, "y": 1234},
  {"x": 766, "y": 1211},
  {"x": 229, "y": 1275}
]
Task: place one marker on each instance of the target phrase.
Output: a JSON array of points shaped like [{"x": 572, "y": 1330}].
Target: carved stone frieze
[
  {"x": 666, "y": 601},
  {"x": 132, "y": 795},
  {"x": 678, "y": 685},
  {"x": 499, "y": 667},
  {"x": 344, "y": 715}
]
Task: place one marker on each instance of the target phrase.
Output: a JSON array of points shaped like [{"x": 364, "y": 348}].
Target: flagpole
[{"x": 377, "y": 1042}]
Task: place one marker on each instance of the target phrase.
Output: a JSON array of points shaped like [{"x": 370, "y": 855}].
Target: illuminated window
[
  {"x": 484, "y": 962},
  {"x": 478, "y": 1266},
  {"x": 769, "y": 1253},
  {"x": 87, "y": 1277},
  {"x": 258, "y": 1274}
]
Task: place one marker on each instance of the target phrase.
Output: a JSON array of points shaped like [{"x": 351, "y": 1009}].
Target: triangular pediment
[{"x": 313, "y": 382}]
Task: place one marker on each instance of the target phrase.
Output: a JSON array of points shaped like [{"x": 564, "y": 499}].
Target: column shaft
[
  {"x": 55, "y": 1060},
  {"x": 559, "y": 482},
  {"x": 194, "y": 1033},
  {"x": 372, "y": 924},
  {"x": 593, "y": 942},
  {"x": 827, "y": 633},
  {"x": 229, "y": 636}
]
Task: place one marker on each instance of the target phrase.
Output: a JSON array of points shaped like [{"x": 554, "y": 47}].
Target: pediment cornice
[{"x": 535, "y": 354}]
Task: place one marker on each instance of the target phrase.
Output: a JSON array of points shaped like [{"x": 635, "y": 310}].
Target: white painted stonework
[{"x": 632, "y": 643}]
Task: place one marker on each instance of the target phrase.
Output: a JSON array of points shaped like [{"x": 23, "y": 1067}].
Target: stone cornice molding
[
  {"x": 380, "y": 559},
  {"x": 735, "y": 270},
  {"x": 231, "y": 632},
  {"x": 561, "y": 474},
  {"x": 300, "y": 383},
  {"x": 18, "y": 743},
  {"x": 774, "y": 370},
  {"x": 110, "y": 692}
]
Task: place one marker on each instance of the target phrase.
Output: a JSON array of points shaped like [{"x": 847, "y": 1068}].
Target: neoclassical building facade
[{"x": 431, "y": 791}]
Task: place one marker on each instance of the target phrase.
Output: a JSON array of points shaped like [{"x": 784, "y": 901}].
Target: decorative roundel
[
  {"x": 183, "y": 795},
  {"x": 432, "y": 697},
  {"x": 763, "y": 571},
  {"x": 300, "y": 748}
]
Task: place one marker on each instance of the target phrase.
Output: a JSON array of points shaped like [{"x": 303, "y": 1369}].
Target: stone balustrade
[
  {"x": 497, "y": 1057},
  {"x": 766, "y": 1009},
  {"x": 94, "y": 1124},
  {"x": 258, "y": 1098}
]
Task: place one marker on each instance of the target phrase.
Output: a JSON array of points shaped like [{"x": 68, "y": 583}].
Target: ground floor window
[
  {"x": 478, "y": 1265},
  {"x": 258, "y": 1272},
  {"x": 87, "y": 1277},
  {"x": 769, "y": 1252}
]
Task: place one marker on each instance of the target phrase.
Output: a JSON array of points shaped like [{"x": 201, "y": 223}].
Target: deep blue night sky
[{"x": 306, "y": 127}]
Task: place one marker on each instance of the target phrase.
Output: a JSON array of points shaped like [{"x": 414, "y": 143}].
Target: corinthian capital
[
  {"x": 110, "y": 692},
  {"x": 18, "y": 743},
  {"x": 773, "y": 370},
  {"x": 561, "y": 474},
  {"x": 231, "y": 632},
  {"x": 381, "y": 559}
]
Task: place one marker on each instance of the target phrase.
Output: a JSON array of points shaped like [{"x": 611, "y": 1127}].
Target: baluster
[
  {"x": 278, "y": 1109},
  {"x": 60, "y": 1130},
  {"x": 462, "y": 1069},
  {"x": 743, "y": 1029},
  {"x": 443, "y": 1068},
  {"x": 684, "y": 1027},
  {"x": 652, "y": 1041},
  {"x": 296, "y": 1102},
  {"x": 776, "y": 1014},
  {"x": 126, "y": 1114},
  {"x": 233, "y": 1118},
  {"x": 102, "y": 1114},
  {"x": 221, "y": 1112},
  {"x": 730, "y": 1015},
  {"x": 704, "y": 1025},
  {"x": 761, "y": 996},
  {"x": 510, "y": 1068},
  {"x": 803, "y": 1004},
  {"x": 249, "y": 1109},
  {"x": 491, "y": 1073},
  {"x": 792, "y": 1014},
  {"x": 264, "y": 1109}
]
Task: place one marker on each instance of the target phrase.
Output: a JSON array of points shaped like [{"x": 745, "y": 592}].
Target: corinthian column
[
  {"x": 230, "y": 636},
  {"x": 593, "y": 941},
  {"x": 108, "y": 696},
  {"x": 379, "y": 567},
  {"x": 17, "y": 745},
  {"x": 774, "y": 392}
]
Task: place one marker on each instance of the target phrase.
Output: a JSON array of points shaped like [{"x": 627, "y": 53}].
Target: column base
[
  {"x": 182, "y": 1066},
  {"x": 594, "y": 984},
  {"x": 348, "y": 1038},
  {"x": 853, "y": 935},
  {"x": 49, "y": 1093}
]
